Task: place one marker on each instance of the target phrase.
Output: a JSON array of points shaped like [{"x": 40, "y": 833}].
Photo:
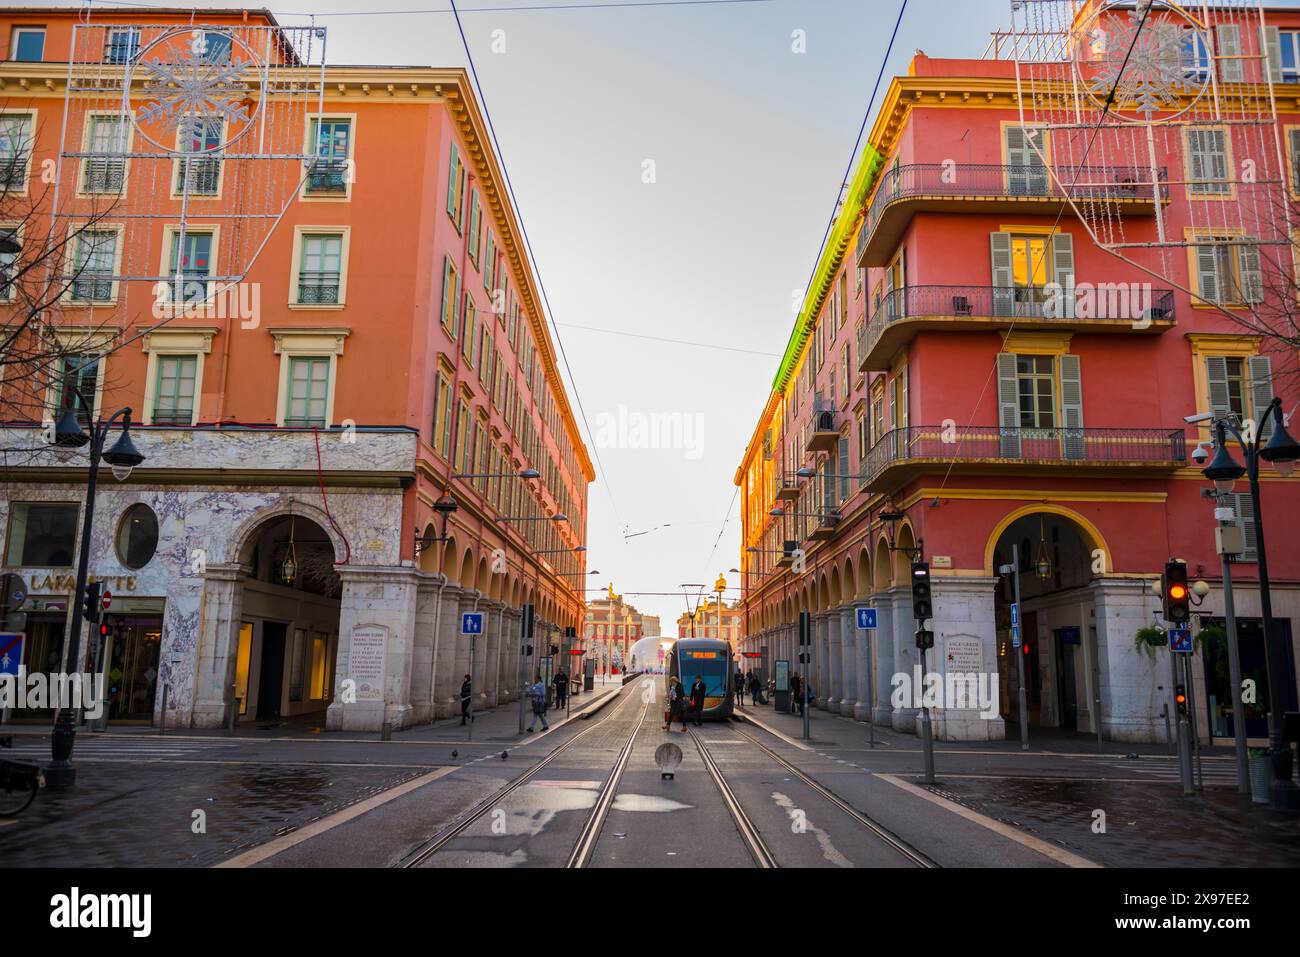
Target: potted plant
[
  {"x": 1149, "y": 638},
  {"x": 1213, "y": 636}
]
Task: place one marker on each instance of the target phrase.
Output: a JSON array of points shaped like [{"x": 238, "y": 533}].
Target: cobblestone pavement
[{"x": 140, "y": 813}]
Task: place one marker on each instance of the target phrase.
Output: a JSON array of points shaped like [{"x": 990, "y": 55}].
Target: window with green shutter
[
  {"x": 475, "y": 221},
  {"x": 308, "y": 391},
  {"x": 450, "y": 295},
  {"x": 173, "y": 402},
  {"x": 330, "y": 139},
  {"x": 469, "y": 329},
  {"x": 1245, "y": 519}
]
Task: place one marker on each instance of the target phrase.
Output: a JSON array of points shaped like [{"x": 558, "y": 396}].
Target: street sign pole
[
  {"x": 1020, "y": 655},
  {"x": 469, "y": 731},
  {"x": 1234, "y": 672},
  {"x": 525, "y": 636},
  {"x": 926, "y": 729},
  {"x": 867, "y": 625}
]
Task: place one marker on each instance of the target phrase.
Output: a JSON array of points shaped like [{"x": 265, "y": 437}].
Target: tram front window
[{"x": 710, "y": 666}]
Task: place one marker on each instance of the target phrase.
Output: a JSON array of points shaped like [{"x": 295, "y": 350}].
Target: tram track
[
  {"x": 763, "y": 856},
  {"x": 590, "y": 834}
]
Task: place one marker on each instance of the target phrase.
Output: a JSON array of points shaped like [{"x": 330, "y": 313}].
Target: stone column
[
  {"x": 426, "y": 611},
  {"x": 821, "y": 625},
  {"x": 1129, "y": 679},
  {"x": 882, "y": 647},
  {"x": 219, "y": 620},
  {"x": 490, "y": 648},
  {"x": 446, "y": 683},
  {"x": 848, "y": 661},
  {"x": 834, "y": 660},
  {"x": 510, "y": 675},
  {"x": 861, "y": 656},
  {"x": 378, "y": 603},
  {"x": 906, "y": 657},
  {"x": 965, "y": 641}
]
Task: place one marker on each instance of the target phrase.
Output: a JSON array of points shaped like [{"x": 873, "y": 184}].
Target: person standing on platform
[{"x": 466, "y": 696}]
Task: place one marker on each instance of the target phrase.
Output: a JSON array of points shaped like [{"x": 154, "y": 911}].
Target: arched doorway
[
  {"x": 1057, "y": 556},
  {"x": 289, "y": 629}
]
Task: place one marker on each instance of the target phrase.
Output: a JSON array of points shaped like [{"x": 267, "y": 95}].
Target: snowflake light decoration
[
  {"x": 194, "y": 90},
  {"x": 1160, "y": 69}
]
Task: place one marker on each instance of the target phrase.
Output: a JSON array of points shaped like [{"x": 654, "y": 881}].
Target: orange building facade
[
  {"x": 932, "y": 406},
  {"x": 333, "y": 343}
]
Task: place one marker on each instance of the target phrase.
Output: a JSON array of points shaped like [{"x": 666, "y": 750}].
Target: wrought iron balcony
[
  {"x": 201, "y": 175},
  {"x": 826, "y": 427},
  {"x": 921, "y": 187},
  {"x": 328, "y": 176},
  {"x": 13, "y": 170},
  {"x": 92, "y": 289},
  {"x": 318, "y": 288},
  {"x": 903, "y": 453},
  {"x": 171, "y": 415},
  {"x": 104, "y": 175},
  {"x": 1109, "y": 307}
]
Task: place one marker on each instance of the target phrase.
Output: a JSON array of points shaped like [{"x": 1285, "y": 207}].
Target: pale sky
[{"x": 749, "y": 142}]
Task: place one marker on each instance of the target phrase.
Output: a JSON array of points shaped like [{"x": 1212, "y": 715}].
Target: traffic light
[
  {"x": 1180, "y": 698},
  {"x": 921, "y": 607},
  {"x": 1175, "y": 592},
  {"x": 90, "y": 606},
  {"x": 924, "y": 639}
]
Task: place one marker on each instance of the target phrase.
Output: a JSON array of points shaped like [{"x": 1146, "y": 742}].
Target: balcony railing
[
  {"x": 1129, "y": 302},
  {"x": 13, "y": 170},
  {"x": 318, "y": 288},
  {"x": 1118, "y": 447},
  {"x": 172, "y": 415},
  {"x": 92, "y": 290},
  {"x": 104, "y": 175},
  {"x": 201, "y": 175},
  {"x": 1109, "y": 184},
  {"x": 328, "y": 176}
]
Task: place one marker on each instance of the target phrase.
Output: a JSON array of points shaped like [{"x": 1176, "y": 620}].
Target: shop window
[
  {"x": 42, "y": 534},
  {"x": 137, "y": 536}
]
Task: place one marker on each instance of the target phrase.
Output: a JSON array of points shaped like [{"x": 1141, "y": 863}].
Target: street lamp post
[
  {"x": 1283, "y": 451},
  {"x": 122, "y": 457}
]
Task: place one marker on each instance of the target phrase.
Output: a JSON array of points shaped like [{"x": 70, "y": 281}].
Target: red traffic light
[{"x": 1177, "y": 592}]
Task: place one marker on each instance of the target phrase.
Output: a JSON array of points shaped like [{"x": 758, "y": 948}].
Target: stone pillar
[
  {"x": 219, "y": 620},
  {"x": 378, "y": 605},
  {"x": 821, "y": 624},
  {"x": 882, "y": 648},
  {"x": 510, "y": 674},
  {"x": 1129, "y": 678},
  {"x": 848, "y": 661},
  {"x": 490, "y": 648},
  {"x": 905, "y": 656},
  {"x": 861, "y": 658},
  {"x": 965, "y": 640},
  {"x": 834, "y": 660},
  {"x": 446, "y": 683},
  {"x": 426, "y": 611}
]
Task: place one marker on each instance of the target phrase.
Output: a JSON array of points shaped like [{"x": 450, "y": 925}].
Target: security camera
[
  {"x": 1200, "y": 455},
  {"x": 1198, "y": 418}
]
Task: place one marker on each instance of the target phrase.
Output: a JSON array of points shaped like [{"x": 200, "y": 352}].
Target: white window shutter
[
  {"x": 1260, "y": 369},
  {"x": 1207, "y": 273},
  {"x": 1216, "y": 380},
  {"x": 1246, "y": 520},
  {"x": 1273, "y": 47},
  {"x": 1072, "y": 437},
  {"x": 1252, "y": 275},
  {"x": 1063, "y": 270},
  {"x": 1008, "y": 406},
  {"x": 1004, "y": 297},
  {"x": 1227, "y": 41}
]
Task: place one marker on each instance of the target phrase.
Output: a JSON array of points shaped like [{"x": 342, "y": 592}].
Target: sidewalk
[{"x": 1122, "y": 806}]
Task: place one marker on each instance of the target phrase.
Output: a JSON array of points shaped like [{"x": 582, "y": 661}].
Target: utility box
[
  {"x": 1228, "y": 540},
  {"x": 589, "y": 674}
]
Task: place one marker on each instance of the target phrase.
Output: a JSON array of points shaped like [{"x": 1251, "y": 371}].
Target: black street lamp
[
  {"x": 446, "y": 506},
  {"x": 122, "y": 457},
  {"x": 1283, "y": 452}
]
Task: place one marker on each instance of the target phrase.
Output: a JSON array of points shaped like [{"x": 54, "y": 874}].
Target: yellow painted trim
[
  {"x": 1090, "y": 531},
  {"x": 1042, "y": 343},
  {"x": 1029, "y": 230},
  {"x": 1208, "y": 344}
]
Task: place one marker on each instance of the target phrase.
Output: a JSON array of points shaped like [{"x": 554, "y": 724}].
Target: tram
[{"x": 709, "y": 659}]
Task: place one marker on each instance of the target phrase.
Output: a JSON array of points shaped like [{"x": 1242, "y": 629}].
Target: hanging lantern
[
  {"x": 289, "y": 567},
  {"x": 1043, "y": 564}
]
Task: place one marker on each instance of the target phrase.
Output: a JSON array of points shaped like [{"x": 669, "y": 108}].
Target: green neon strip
[{"x": 837, "y": 243}]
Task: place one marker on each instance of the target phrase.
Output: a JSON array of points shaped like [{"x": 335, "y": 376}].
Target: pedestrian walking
[
  {"x": 676, "y": 702},
  {"x": 697, "y": 700},
  {"x": 561, "y": 689},
  {"x": 538, "y": 693},
  {"x": 796, "y": 692},
  {"x": 740, "y": 687},
  {"x": 753, "y": 688},
  {"x": 466, "y": 696}
]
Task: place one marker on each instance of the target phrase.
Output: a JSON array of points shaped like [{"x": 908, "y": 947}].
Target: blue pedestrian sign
[
  {"x": 866, "y": 617},
  {"x": 471, "y": 623},
  {"x": 1015, "y": 624},
  {"x": 11, "y": 652},
  {"x": 1180, "y": 640}
]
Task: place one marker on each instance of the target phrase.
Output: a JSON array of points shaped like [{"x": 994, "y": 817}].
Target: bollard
[
  {"x": 234, "y": 713},
  {"x": 162, "y": 720},
  {"x": 386, "y": 731}
]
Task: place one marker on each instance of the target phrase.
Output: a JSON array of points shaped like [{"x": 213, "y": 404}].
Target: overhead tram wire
[
  {"x": 537, "y": 271},
  {"x": 1110, "y": 101}
]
